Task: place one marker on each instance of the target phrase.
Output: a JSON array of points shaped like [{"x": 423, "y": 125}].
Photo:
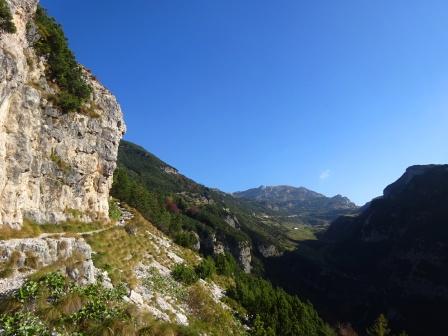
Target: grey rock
[{"x": 50, "y": 162}]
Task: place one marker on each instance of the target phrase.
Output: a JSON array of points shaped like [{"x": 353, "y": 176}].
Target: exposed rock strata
[
  {"x": 72, "y": 255},
  {"x": 53, "y": 166}
]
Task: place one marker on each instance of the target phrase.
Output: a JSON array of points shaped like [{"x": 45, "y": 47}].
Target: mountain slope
[
  {"x": 200, "y": 217},
  {"x": 391, "y": 258},
  {"x": 306, "y": 206}
]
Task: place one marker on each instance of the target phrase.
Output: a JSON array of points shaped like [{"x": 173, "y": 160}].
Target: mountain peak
[
  {"x": 297, "y": 200},
  {"x": 412, "y": 174}
]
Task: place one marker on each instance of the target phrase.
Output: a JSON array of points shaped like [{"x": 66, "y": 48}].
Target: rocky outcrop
[
  {"x": 53, "y": 166},
  {"x": 24, "y": 256},
  {"x": 268, "y": 250},
  {"x": 241, "y": 250},
  {"x": 245, "y": 256},
  {"x": 232, "y": 220}
]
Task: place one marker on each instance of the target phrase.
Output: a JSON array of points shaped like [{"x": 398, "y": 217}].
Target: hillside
[
  {"x": 391, "y": 258},
  {"x": 212, "y": 220}
]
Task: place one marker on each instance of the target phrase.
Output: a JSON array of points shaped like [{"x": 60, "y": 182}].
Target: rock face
[
  {"x": 268, "y": 251},
  {"x": 73, "y": 255},
  {"x": 245, "y": 256},
  {"x": 53, "y": 166}
]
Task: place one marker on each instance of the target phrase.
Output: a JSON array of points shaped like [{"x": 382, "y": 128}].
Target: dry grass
[
  {"x": 119, "y": 252},
  {"x": 73, "y": 227},
  {"x": 29, "y": 229},
  {"x": 7, "y": 268},
  {"x": 70, "y": 304},
  {"x": 31, "y": 260}
]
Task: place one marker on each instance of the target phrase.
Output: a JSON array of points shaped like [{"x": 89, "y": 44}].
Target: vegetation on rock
[
  {"x": 53, "y": 304},
  {"x": 62, "y": 67},
  {"x": 6, "y": 23}
]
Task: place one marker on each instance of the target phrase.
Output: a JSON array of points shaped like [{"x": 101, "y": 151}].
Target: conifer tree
[{"x": 380, "y": 327}]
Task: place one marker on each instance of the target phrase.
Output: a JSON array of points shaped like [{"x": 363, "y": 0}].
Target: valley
[{"x": 99, "y": 237}]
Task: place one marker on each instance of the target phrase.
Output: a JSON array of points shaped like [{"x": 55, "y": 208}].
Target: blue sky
[{"x": 336, "y": 96}]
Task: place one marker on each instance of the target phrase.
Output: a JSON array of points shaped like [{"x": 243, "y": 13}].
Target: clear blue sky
[{"x": 337, "y": 96}]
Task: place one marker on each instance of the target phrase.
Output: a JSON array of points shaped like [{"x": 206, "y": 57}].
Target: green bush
[
  {"x": 186, "y": 239},
  {"x": 184, "y": 274},
  {"x": 206, "y": 268},
  {"x": 226, "y": 264},
  {"x": 62, "y": 66},
  {"x": 22, "y": 324},
  {"x": 55, "y": 283},
  {"x": 114, "y": 210},
  {"x": 6, "y": 23},
  {"x": 28, "y": 291}
]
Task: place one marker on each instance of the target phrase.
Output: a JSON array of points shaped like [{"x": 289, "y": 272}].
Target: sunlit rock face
[{"x": 53, "y": 165}]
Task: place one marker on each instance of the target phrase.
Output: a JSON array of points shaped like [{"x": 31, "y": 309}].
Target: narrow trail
[{"x": 126, "y": 216}]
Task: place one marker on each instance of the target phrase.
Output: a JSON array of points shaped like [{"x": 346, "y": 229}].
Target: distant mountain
[
  {"x": 392, "y": 258},
  {"x": 291, "y": 201}
]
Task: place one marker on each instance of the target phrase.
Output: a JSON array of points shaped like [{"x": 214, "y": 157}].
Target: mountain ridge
[{"x": 391, "y": 257}]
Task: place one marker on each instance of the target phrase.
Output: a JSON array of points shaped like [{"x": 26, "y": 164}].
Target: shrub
[
  {"x": 206, "y": 268},
  {"x": 226, "y": 264},
  {"x": 114, "y": 210},
  {"x": 186, "y": 239},
  {"x": 184, "y": 274},
  {"x": 22, "y": 324},
  {"x": 6, "y": 23},
  {"x": 55, "y": 282},
  {"x": 380, "y": 327},
  {"x": 28, "y": 291},
  {"x": 62, "y": 66}
]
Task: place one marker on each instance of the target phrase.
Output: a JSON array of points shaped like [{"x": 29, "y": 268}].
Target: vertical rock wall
[{"x": 53, "y": 166}]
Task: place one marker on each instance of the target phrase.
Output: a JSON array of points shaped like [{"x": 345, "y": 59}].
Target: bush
[
  {"x": 184, "y": 274},
  {"x": 28, "y": 291},
  {"x": 226, "y": 264},
  {"x": 114, "y": 210},
  {"x": 22, "y": 324},
  {"x": 186, "y": 239},
  {"x": 6, "y": 23},
  {"x": 62, "y": 66},
  {"x": 206, "y": 268}
]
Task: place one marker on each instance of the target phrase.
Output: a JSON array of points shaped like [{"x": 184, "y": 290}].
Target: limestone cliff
[{"x": 53, "y": 165}]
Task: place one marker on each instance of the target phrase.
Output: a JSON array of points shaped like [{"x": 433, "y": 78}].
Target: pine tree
[
  {"x": 380, "y": 327},
  {"x": 258, "y": 328}
]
